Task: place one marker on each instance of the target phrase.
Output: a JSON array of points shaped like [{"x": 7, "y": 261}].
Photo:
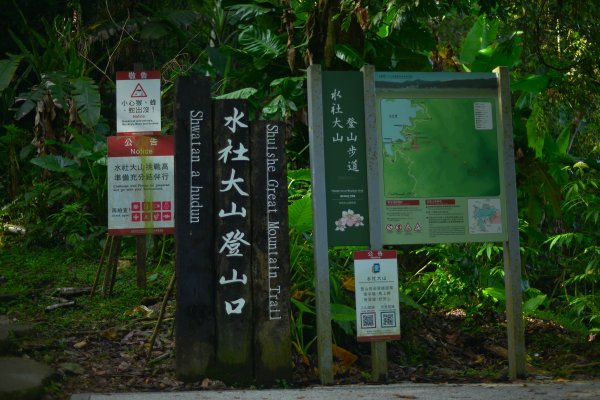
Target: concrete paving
[
  {"x": 512, "y": 391},
  {"x": 22, "y": 378}
]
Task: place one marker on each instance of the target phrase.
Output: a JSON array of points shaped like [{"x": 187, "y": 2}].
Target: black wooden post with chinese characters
[
  {"x": 270, "y": 253},
  {"x": 233, "y": 247},
  {"x": 194, "y": 237}
]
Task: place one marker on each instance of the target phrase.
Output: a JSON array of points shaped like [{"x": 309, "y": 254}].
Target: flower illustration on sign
[{"x": 349, "y": 219}]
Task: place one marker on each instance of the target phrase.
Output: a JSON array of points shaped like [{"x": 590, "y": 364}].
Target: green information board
[
  {"x": 437, "y": 152},
  {"x": 345, "y": 160},
  {"x": 441, "y": 158}
]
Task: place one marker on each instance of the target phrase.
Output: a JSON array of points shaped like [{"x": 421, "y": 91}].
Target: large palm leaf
[
  {"x": 261, "y": 43},
  {"x": 7, "y": 71},
  {"x": 87, "y": 100}
]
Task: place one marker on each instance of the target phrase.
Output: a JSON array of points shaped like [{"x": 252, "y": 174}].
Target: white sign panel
[
  {"x": 141, "y": 185},
  {"x": 376, "y": 290},
  {"x": 138, "y": 103}
]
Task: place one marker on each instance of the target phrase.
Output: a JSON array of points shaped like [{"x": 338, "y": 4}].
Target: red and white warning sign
[
  {"x": 141, "y": 190},
  {"x": 138, "y": 103}
]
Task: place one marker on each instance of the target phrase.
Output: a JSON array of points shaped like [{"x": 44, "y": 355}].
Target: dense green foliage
[{"x": 57, "y": 108}]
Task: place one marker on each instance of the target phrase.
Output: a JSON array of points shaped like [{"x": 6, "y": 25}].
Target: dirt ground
[{"x": 441, "y": 347}]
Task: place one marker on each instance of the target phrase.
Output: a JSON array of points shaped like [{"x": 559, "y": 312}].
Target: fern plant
[{"x": 578, "y": 249}]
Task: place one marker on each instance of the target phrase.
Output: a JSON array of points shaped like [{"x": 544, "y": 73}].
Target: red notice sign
[{"x": 140, "y": 185}]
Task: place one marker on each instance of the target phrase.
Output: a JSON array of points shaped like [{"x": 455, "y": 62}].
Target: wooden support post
[
  {"x": 161, "y": 315},
  {"x": 233, "y": 247},
  {"x": 270, "y": 254},
  {"x": 140, "y": 250},
  {"x": 111, "y": 267},
  {"x": 512, "y": 256},
  {"x": 101, "y": 263},
  {"x": 321, "y": 245},
  {"x": 195, "y": 324},
  {"x": 379, "y": 359}
]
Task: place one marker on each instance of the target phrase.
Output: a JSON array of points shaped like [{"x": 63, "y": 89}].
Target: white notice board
[
  {"x": 138, "y": 103},
  {"x": 141, "y": 193}
]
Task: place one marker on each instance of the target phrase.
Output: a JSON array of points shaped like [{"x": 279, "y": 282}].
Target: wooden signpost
[
  {"x": 233, "y": 241},
  {"x": 232, "y": 254},
  {"x": 270, "y": 253},
  {"x": 194, "y": 238}
]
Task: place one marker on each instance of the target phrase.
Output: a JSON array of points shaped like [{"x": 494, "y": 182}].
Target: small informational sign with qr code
[{"x": 376, "y": 291}]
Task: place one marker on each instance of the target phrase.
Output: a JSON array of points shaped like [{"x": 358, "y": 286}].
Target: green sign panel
[
  {"x": 441, "y": 156},
  {"x": 345, "y": 160}
]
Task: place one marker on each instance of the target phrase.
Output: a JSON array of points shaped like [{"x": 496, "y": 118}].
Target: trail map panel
[{"x": 441, "y": 152}]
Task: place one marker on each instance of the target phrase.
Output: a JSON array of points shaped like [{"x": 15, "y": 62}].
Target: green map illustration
[{"x": 437, "y": 147}]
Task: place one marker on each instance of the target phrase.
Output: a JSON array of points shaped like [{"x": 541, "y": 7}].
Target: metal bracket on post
[
  {"x": 321, "y": 250},
  {"x": 512, "y": 257},
  {"x": 378, "y": 348}
]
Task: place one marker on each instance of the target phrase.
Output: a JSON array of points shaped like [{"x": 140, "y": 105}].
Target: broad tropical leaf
[
  {"x": 505, "y": 53},
  {"x": 29, "y": 100},
  {"x": 301, "y": 306},
  {"x": 562, "y": 142},
  {"x": 299, "y": 174},
  {"x": 87, "y": 100},
  {"x": 536, "y": 134},
  {"x": 341, "y": 312},
  {"x": 168, "y": 23},
  {"x": 496, "y": 293},
  {"x": 243, "y": 12},
  {"x": 58, "y": 86},
  {"x": 531, "y": 305},
  {"x": 300, "y": 214},
  {"x": 261, "y": 43},
  {"x": 7, "y": 71},
  {"x": 532, "y": 83},
  {"x": 53, "y": 163},
  {"x": 181, "y": 18},
  {"x": 154, "y": 30},
  {"x": 479, "y": 37},
  {"x": 244, "y": 93},
  {"x": 349, "y": 55}
]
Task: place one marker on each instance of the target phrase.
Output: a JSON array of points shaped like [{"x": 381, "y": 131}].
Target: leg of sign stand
[
  {"x": 161, "y": 315},
  {"x": 111, "y": 267},
  {"x": 100, "y": 264},
  {"x": 140, "y": 250},
  {"x": 108, "y": 269},
  {"x": 512, "y": 255},
  {"x": 322, "y": 291},
  {"x": 379, "y": 360}
]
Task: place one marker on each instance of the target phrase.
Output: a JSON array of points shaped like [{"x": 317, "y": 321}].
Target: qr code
[
  {"x": 367, "y": 320},
  {"x": 388, "y": 320}
]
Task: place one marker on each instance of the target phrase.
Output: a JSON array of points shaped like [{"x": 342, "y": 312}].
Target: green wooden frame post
[
  {"x": 379, "y": 359},
  {"x": 321, "y": 244},
  {"x": 512, "y": 256}
]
